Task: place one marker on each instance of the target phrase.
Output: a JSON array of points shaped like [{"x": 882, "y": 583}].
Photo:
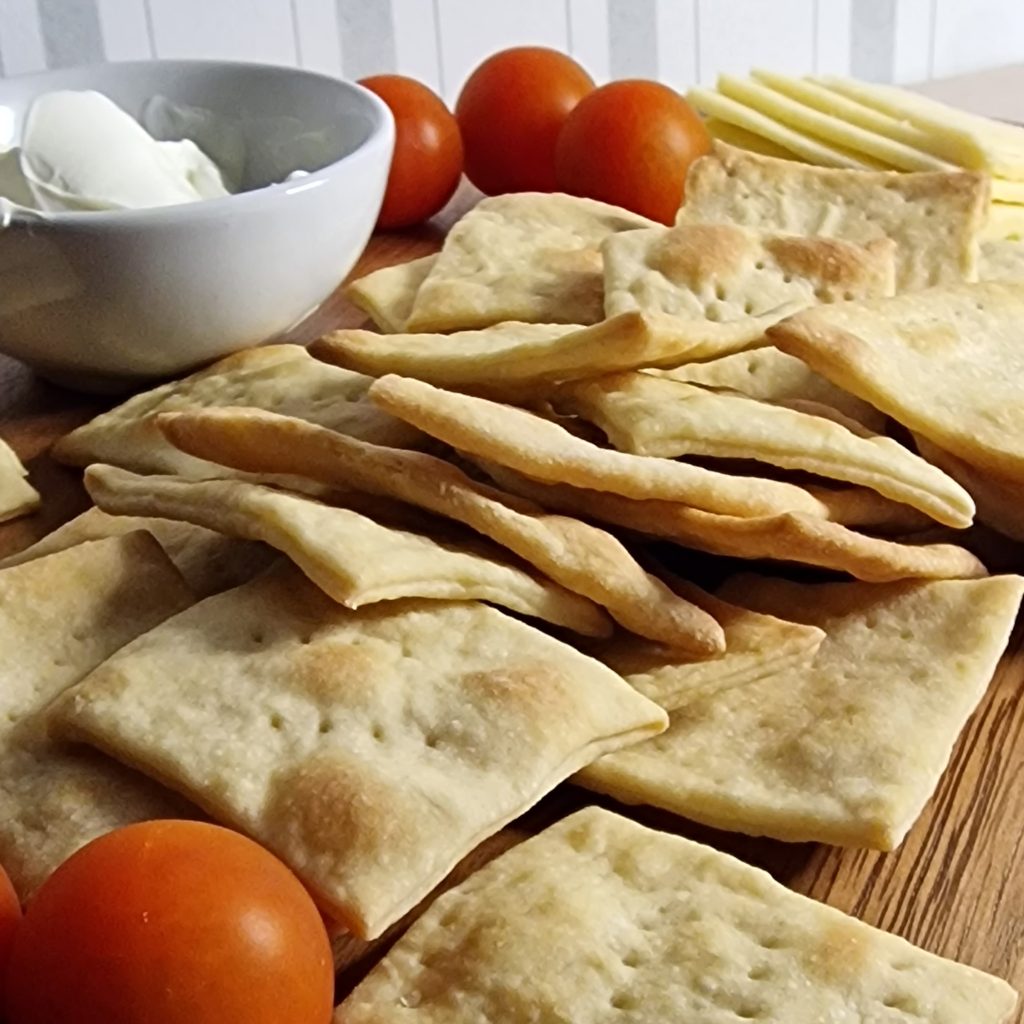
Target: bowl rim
[{"x": 381, "y": 135}]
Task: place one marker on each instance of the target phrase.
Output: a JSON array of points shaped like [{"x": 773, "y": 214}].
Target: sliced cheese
[
  {"x": 805, "y": 146},
  {"x": 829, "y": 127},
  {"x": 966, "y": 139},
  {"x": 1005, "y": 220},
  {"x": 742, "y": 139}
]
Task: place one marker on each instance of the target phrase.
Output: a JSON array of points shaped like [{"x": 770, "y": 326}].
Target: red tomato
[
  {"x": 631, "y": 143},
  {"x": 427, "y": 164},
  {"x": 510, "y": 112},
  {"x": 171, "y": 922},
  {"x": 10, "y": 915}
]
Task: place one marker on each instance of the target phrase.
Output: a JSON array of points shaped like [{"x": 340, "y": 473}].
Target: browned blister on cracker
[{"x": 369, "y": 749}]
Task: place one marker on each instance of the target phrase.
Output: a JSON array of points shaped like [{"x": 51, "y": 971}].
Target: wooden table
[{"x": 955, "y": 887}]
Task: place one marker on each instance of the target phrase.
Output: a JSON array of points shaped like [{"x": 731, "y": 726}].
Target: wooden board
[{"x": 955, "y": 887}]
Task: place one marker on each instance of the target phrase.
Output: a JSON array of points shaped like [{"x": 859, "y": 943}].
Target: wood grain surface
[{"x": 955, "y": 887}]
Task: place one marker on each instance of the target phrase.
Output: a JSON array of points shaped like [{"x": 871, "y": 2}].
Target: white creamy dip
[{"x": 81, "y": 151}]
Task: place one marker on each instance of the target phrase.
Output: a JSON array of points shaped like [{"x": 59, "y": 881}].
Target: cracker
[
  {"x": 528, "y": 256},
  {"x": 1002, "y": 261},
  {"x": 60, "y": 617},
  {"x": 208, "y": 561},
  {"x": 724, "y": 273},
  {"x": 351, "y": 557},
  {"x": 999, "y": 500},
  {"x": 756, "y": 645},
  {"x": 647, "y": 415},
  {"x": 544, "y": 450},
  {"x": 772, "y": 376},
  {"x": 55, "y": 798},
  {"x": 387, "y": 295},
  {"x": 790, "y": 537},
  {"x": 848, "y": 749},
  {"x": 934, "y": 217},
  {"x": 582, "y": 558},
  {"x": 17, "y": 496},
  {"x": 370, "y": 750},
  {"x": 947, "y": 363},
  {"x": 281, "y": 377},
  {"x": 514, "y": 358},
  {"x": 599, "y": 918}
]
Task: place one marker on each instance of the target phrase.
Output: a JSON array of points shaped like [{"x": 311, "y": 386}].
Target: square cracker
[
  {"x": 998, "y": 499},
  {"x": 281, "y": 377},
  {"x": 647, "y": 415},
  {"x": 789, "y": 537},
  {"x": 17, "y": 495},
  {"x": 599, "y": 919},
  {"x": 544, "y": 450},
  {"x": 724, "y": 273},
  {"x": 848, "y": 749},
  {"x": 387, "y": 295},
  {"x": 1002, "y": 260},
  {"x": 947, "y": 363},
  {"x": 582, "y": 558},
  {"x": 756, "y": 645},
  {"x": 56, "y": 797},
  {"x": 773, "y": 376},
  {"x": 209, "y": 561},
  {"x": 371, "y": 750},
  {"x": 351, "y": 557},
  {"x": 529, "y": 256},
  {"x": 60, "y": 617},
  {"x": 934, "y": 217},
  {"x": 515, "y": 359}
]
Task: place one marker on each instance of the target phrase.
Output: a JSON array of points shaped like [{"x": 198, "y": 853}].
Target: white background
[{"x": 439, "y": 41}]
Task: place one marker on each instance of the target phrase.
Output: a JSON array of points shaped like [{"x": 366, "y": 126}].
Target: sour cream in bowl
[{"x": 158, "y": 215}]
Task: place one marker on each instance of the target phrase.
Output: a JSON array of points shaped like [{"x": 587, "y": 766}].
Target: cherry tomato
[
  {"x": 427, "y": 164},
  {"x": 10, "y": 915},
  {"x": 631, "y": 143},
  {"x": 171, "y": 922},
  {"x": 510, "y": 112}
]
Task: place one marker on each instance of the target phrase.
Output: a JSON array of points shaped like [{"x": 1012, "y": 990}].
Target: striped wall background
[{"x": 439, "y": 41}]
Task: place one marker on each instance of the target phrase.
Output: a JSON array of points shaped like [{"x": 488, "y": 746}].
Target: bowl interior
[{"x": 257, "y": 122}]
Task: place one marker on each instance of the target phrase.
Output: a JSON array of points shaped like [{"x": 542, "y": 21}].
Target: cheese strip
[
  {"x": 965, "y": 139},
  {"x": 916, "y": 145},
  {"x": 1005, "y": 220},
  {"x": 828, "y": 127},
  {"x": 741, "y": 138},
  {"x": 805, "y": 146}
]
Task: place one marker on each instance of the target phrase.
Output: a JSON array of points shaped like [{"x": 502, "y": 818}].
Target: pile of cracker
[{"x": 371, "y": 601}]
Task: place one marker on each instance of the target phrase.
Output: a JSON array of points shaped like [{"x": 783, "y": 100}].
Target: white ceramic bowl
[{"x": 104, "y": 301}]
